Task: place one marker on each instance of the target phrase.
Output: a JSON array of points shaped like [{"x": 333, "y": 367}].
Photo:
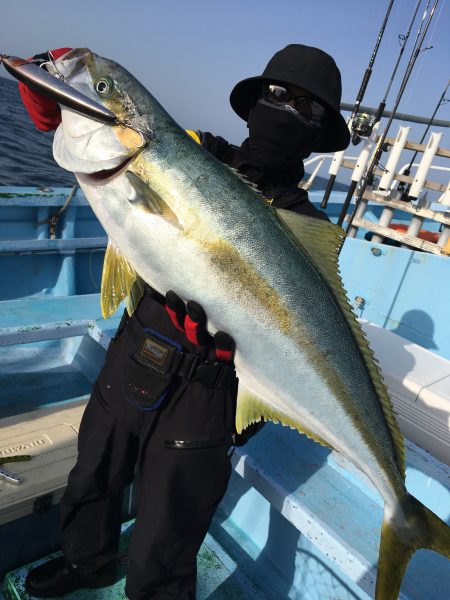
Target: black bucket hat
[{"x": 311, "y": 69}]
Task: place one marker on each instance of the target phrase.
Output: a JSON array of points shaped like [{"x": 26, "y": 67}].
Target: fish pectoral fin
[
  {"x": 251, "y": 409},
  {"x": 119, "y": 281},
  {"x": 148, "y": 200}
]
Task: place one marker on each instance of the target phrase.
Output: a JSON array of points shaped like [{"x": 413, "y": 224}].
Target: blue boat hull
[{"x": 298, "y": 520}]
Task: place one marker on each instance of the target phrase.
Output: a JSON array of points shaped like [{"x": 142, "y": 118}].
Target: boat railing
[{"x": 411, "y": 188}]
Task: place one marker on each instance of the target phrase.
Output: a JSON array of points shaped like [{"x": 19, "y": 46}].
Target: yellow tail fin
[{"x": 424, "y": 530}]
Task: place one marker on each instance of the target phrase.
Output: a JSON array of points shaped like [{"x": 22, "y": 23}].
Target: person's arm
[{"x": 45, "y": 113}]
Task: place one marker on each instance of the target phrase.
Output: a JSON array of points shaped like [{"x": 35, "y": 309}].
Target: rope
[{"x": 53, "y": 219}]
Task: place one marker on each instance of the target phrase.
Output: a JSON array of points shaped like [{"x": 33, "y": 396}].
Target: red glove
[
  {"x": 44, "y": 113},
  {"x": 191, "y": 319}
]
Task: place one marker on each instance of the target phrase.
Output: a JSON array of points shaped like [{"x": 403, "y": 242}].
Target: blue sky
[{"x": 190, "y": 53}]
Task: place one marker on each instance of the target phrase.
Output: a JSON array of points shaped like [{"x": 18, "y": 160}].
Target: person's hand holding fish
[
  {"x": 44, "y": 112},
  {"x": 191, "y": 319}
]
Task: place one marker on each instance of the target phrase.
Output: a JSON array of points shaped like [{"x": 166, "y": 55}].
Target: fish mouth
[
  {"x": 106, "y": 175},
  {"x": 51, "y": 85}
]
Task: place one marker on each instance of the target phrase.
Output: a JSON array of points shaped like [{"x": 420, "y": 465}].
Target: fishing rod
[
  {"x": 368, "y": 177},
  {"x": 364, "y": 124},
  {"x": 364, "y": 128},
  {"x": 402, "y": 187},
  {"x": 360, "y": 96},
  {"x": 368, "y": 73}
]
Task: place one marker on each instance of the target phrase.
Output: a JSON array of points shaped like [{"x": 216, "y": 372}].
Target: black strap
[
  {"x": 123, "y": 321},
  {"x": 212, "y": 374},
  {"x": 149, "y": 291}
]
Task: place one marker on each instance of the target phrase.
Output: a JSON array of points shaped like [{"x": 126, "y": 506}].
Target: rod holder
[
  {"x": 394, "y": 157},
  {"x": 424, "y": 166},
  {"x": 363, "y": 158},
  {"x": 445, "y": 198}
]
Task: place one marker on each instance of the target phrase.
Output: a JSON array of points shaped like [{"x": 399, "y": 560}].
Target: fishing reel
[{"x": 362, "y": 126}]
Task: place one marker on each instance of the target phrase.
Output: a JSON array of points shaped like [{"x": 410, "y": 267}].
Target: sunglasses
[{"x": 304, "y": 106}]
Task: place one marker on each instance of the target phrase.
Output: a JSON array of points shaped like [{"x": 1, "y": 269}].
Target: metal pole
[
  {"x": 348, "y": 199},
  {"x": 347, "y": 106}
]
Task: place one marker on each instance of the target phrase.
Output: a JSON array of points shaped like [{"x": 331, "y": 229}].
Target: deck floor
[{"x": 218, "y": 577}]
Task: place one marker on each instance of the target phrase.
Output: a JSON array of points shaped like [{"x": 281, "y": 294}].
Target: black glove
[{"x": 192, "y": 320}]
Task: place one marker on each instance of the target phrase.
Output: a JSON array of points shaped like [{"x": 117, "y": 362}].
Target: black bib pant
[{"x": 179, "y": 485}]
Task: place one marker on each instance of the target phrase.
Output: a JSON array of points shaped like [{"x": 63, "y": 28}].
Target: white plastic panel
[
  {"x": 50, "y": 437},
  {"x": 419, "y": 385}
]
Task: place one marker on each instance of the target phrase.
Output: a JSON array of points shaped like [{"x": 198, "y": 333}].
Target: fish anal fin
[
  {"x": 119, "y": 281},
  {"x": 321, "y": 241},
  {"x": 251, "y": 409}
]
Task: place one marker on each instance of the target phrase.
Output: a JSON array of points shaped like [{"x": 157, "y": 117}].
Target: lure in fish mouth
[
  {"x": 38, "y": 79},
  {"x": 165, "y": 202},
  {"x": 87, "y": 120},
  {"x": 80, "y": 142}
]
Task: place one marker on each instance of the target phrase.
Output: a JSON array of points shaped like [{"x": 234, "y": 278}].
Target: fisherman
[{"x": 176, "y": 428}]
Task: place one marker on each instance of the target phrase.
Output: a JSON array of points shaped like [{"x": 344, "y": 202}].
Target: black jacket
[{"x": 281, "y": 190}]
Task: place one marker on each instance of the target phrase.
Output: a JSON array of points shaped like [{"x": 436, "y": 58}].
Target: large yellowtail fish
[{"x": 179, "y": 220}]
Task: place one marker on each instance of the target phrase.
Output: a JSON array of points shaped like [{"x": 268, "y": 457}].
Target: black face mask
[{"x": 278, "y": 139}]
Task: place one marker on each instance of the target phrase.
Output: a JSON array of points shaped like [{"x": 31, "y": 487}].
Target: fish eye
[{"x": 104, "y": 87}]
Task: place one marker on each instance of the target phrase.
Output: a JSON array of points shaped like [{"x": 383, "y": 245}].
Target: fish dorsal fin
[
  {"x": 194, "y": 135},
  {"x": 321, "y": 241},
  {"x": 119, "y": 281},
  {"x": 251, "y": 409},
  {"x": 243, "y": 178}
]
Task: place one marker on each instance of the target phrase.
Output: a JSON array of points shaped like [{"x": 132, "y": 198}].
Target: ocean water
[{"x": 26, "y": 157}]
